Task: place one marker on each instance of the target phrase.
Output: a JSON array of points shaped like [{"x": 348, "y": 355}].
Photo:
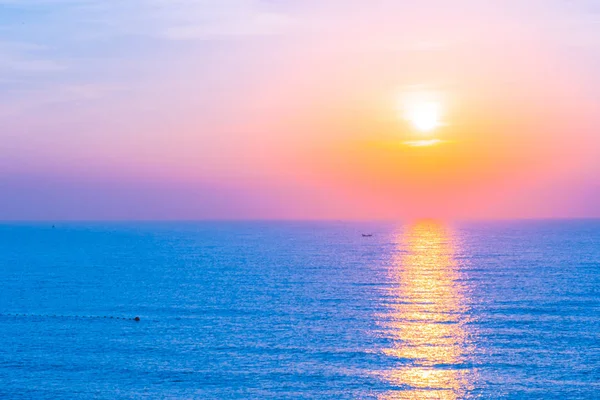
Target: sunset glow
[
  {"x": 299, "y": 110},
  {"x": 232, "y": 199}
]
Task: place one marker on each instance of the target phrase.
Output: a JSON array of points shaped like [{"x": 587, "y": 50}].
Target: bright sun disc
[
  {"x": 424, "y": 115},
  {"x": 423, "y": 109}
]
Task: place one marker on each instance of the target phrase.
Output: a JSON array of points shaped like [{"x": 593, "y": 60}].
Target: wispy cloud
[
  {"x": 21, "y": 58},
  {"x": 423, "y": 143},
  {"x": 23, "y": 101},
  {"x": 172, "y": 19},
  {"x": 242, "y": 25},
  {"x": 205, "y": 19}
]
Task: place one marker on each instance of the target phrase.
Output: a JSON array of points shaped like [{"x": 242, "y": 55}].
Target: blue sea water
[{"x": 425, "y": 310}]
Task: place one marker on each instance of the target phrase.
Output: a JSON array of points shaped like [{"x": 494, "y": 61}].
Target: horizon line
[{"x": 390, "y": 220}]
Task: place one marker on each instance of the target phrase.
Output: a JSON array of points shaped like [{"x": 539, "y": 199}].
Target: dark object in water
[
  {"x": 367, "y": 234},
  {"x": 136, "y": 319}
]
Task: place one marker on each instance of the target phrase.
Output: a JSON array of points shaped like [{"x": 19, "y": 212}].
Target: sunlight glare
[
  {"x": 426, "y": 322},
  {"x": 421, "y": 109},
  {"x": 424, "y": 116}
]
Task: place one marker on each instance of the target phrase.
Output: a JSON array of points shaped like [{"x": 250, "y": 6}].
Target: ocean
[{"x": 292, "y": 310}]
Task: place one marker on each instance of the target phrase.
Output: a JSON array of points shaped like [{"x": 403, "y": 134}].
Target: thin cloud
[
  {"x": 203, "y": 19},
  {"x": 24, "y": 58},
  {"x": 24, "y": 101},
  {"x": 253, "y": 25},
  {"x": 173, "y": 19}
]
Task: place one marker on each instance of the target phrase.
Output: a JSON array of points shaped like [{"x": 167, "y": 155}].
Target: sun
[
  {"x": 424, "y": 116},
  {"x": 421, "y": 109}
]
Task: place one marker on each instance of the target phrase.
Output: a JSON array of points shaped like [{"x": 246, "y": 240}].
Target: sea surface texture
[{"x": 290, "y": 310}]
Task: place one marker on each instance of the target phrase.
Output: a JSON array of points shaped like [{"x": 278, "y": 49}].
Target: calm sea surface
[{"x": 426, "y": 310}]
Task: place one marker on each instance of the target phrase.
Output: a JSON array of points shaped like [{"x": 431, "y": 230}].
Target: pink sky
[{"x": 258, "y": 109}]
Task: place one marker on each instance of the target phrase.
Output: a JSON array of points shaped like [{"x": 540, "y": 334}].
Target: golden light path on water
[{"x": 426, "y": 318}]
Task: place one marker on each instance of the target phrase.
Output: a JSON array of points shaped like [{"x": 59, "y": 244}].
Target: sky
[{"x": 280, "y": 109}]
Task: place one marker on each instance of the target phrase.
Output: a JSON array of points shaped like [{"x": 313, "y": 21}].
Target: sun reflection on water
[{"x": 426, "y": 318}]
